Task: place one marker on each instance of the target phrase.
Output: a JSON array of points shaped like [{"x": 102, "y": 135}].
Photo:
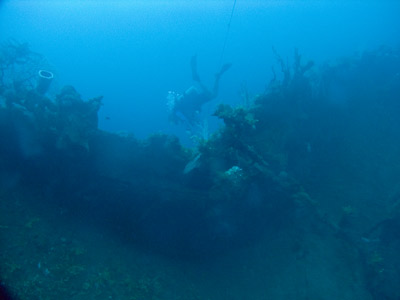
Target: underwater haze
[
  {"x": 199, "y": 150},
  {"x": 134, "y": 52}
]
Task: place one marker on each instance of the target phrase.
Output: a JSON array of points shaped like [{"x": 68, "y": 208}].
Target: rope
[{"x": 227, "y": 35}]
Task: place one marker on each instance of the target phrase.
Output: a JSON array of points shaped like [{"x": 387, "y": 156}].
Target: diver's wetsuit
[{"x": 188, "y": 106}]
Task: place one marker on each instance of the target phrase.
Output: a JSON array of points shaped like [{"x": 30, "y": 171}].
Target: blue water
[
  {"x": 134, "y": 52},
  {"x": 297, "y": 196}
]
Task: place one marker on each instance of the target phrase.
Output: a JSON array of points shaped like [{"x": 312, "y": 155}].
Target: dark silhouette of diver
[{"x": 186, "y": 108}]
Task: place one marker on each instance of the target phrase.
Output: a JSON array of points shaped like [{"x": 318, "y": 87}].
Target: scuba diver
[{"x": 186, "y": 108}]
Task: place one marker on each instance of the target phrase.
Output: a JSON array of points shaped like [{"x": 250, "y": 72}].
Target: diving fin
[
  {"x": 193, "y": 65},
  {"x": 225, "y": 68}
]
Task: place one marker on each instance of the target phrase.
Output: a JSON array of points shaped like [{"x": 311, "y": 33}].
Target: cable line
[{"x": 227, "y": 34}]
